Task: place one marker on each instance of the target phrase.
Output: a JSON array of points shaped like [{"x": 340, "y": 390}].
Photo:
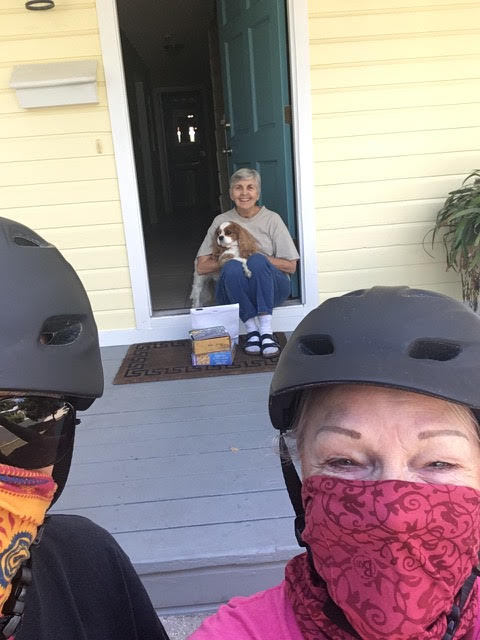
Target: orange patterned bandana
[{"x": 24, "y": 498}]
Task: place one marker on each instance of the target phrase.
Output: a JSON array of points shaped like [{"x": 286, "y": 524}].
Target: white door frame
[{"x": 174, "y": 327}]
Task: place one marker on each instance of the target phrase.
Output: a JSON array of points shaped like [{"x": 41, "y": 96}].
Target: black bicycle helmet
[
  {"x": 399, "y": 337},
  {"x": 48, "y": 335}
]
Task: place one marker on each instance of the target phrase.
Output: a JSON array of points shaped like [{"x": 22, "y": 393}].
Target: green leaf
[
  {"x": 458, "y": 224},
  {"x": 463, "y": 212}
]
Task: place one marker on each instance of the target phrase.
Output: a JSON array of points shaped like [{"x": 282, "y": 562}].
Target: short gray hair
[{"x": 246, "y": 174}]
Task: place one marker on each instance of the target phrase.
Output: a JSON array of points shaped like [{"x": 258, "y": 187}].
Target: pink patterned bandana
[{"x": 393, "y": 555}]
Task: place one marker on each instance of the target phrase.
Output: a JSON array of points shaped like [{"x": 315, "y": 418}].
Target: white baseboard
[{"x": 177, "y": 327}]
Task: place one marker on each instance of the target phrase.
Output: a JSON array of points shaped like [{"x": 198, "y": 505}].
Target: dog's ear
[
  {"x": 217, "y": 249},
  {"x": 239, "y": 232},
  {"x": 246, "y": 242}
]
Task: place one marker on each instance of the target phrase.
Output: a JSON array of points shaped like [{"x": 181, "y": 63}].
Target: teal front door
[{"x": 253, "y": 52}]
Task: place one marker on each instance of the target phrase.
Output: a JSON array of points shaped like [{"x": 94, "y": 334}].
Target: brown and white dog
[{"x": 234, "y": 242}]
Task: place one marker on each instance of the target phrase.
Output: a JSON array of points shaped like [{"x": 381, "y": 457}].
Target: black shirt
[{"x": 85, "y": 588}]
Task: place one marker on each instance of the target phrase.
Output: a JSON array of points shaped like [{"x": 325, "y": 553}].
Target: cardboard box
[
  {"x": 211, "y": 346},
  {"x": 213, "y": 359},
  {"x": 210, "y": 340}
]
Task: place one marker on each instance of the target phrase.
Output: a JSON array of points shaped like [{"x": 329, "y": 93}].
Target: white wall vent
[{"x": 56, "y": 83}]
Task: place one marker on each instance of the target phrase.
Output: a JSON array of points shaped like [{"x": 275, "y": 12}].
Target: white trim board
[
  {"x": 284, "y": 319},
  {"x": 150, "y": 328}
]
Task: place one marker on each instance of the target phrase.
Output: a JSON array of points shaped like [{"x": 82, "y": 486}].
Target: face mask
[
  {"x": 24, "y": 498},
  {"x": 392, "y": 554}
]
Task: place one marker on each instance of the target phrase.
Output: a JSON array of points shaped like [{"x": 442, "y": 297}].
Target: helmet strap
[
  {"x": 61, "y": 468},
  {"x": 456, "y": 612},
  {"x": 294, "y": 488},
  {"x": 13, "y": 608},
  {"x": 15, "y": 604}
]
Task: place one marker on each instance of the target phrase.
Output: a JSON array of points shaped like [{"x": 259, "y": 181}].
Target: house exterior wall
[
  {"x": 396, "y": 125},
  {"x": 57, "y": 169}
]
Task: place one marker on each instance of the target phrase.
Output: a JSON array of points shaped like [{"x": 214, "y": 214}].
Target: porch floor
[{"x": 184, "y": 474}]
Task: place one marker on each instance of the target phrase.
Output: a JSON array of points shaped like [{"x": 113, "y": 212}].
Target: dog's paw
[
  {"x": 247, "y": 271},
  {"x": 225, "y": 257}
]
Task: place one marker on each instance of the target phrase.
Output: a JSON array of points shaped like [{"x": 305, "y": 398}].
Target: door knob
[{"x": 227, "y": 152}]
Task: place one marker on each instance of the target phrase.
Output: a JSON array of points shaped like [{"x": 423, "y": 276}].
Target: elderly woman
[
  {"x": 61, "y": 576},
  {"x": 269, "y": 284},
  {"x": 380, "y": 389}
]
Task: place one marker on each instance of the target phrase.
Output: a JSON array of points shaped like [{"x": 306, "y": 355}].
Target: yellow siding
[
  {"x": 57, "y": 169},
  {"x": 396, "y": 125}
]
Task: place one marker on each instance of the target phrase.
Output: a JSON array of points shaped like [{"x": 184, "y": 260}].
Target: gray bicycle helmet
[
  {"x": 398, "y": 337},
  {"x": 48, "y": 335}
]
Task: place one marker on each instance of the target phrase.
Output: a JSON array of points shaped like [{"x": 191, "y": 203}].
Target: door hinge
[{"x": 287, "y": 114}]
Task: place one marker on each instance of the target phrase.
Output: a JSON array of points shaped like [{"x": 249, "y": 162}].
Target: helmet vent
[
  {"x": 319, "y": 345},
  {"x": 61, "y": 330},
  {"x": 430, "y": 349},
  {"x": 25, "y": 242}
]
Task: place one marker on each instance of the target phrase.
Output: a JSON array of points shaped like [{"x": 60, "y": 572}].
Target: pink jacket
[{"x": 267, "y": 615}]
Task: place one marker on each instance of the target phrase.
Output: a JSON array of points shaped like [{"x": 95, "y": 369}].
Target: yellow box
[{"x": 211, "y": 345}]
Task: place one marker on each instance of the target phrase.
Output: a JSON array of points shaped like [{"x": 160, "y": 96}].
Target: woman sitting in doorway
[{"x": 269, "y": 284}]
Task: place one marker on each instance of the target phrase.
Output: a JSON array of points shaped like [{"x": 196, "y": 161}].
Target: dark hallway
[{"x": 172, "y": 70}]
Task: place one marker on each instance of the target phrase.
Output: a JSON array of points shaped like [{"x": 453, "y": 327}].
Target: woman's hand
[
  {"x": 207, "y": 264},
  {"x": 288, "y": 266}
]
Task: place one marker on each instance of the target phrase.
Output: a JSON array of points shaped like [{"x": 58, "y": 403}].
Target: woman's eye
[
  {"x": 341, "y": 462},
  {"x": 440, "y": 464}
]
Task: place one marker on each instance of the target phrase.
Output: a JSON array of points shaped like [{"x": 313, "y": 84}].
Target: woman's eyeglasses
[{"x": 35, "y": 431}]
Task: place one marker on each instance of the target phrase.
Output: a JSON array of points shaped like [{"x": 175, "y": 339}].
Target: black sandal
[
  {"x": 252, "y": 343},
  {"x": 269, "y": 345}
]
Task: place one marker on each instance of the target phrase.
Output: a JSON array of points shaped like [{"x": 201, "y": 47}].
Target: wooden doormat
[{"x": 171, "y": 360}]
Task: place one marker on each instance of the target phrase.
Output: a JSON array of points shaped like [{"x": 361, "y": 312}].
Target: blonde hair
[{"x": 297, "y": 433}]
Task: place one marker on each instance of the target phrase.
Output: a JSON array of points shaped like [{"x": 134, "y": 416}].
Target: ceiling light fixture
[{"x": 170, "y": 46}]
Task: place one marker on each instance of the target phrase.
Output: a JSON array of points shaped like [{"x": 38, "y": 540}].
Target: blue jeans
[{"x": 267, "y": 288}]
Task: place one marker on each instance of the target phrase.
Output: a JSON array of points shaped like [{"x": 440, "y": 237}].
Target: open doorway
[{"x": 180, "y": 133}]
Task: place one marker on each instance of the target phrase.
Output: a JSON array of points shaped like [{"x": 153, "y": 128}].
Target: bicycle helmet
[
  {"x": 48, "y": 336},
  {"x": 409, "y": 339},
  {"x": 399, "y": 337}
]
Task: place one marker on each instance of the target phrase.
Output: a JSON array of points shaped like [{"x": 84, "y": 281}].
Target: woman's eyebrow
[
  {"x": 346, "y": 432},
  {"x": 431, "y": 433}
]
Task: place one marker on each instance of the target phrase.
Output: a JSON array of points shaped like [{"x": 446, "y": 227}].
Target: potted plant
[{"x": 459, "y": 221}]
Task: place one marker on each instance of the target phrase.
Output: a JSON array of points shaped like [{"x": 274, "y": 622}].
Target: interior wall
[
  {"x": 169, "y": 43},
  {"x": 144, "y": 135},
  {"x": 170, "y": 37}
]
